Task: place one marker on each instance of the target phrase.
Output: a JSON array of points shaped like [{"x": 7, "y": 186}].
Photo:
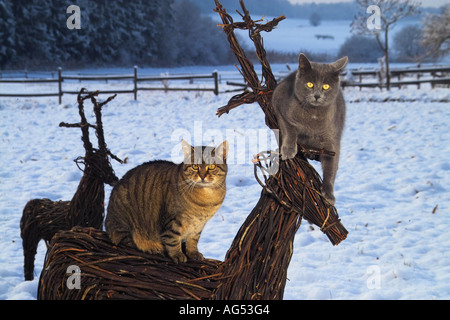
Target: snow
[
  {"x": 391, "y": 189},
  {"x": 293, "y": 35},
  {"x": 296, "y": 35}
]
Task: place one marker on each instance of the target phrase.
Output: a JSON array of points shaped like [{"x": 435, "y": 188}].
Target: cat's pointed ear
[
  {"x": 221, "y": 152},
  {"x": 187, "y": 151},
  {"x": 303, "y": 63},
  {"x": 340, "y": 64}
]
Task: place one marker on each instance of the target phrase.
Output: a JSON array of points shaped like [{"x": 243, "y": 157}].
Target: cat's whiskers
[
  {"x": 187, "y": 186},
  {"x": 222, "y": 186}
]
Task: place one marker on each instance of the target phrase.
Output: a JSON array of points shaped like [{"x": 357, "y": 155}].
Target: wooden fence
[
  {"x": 433, "y": 75},
  {"x": 399, "y": 77},
  {"x": 371, "y": 77},
  {"x": 134, "y": 78}
]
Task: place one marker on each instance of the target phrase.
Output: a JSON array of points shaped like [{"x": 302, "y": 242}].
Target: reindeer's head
[{"x": 97, "y": 162}]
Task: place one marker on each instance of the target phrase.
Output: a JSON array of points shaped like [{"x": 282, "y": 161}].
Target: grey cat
[{"x": 310, "y": 110}]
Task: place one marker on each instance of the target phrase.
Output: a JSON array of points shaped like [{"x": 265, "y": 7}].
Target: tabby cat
[
  {"x": 310, "y": 110},
  {"x": 162, "y": 207}
]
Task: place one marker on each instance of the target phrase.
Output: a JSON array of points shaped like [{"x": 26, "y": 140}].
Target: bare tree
[
  {"x": 379, "y": 19},
  {"x": 436, "y": 33},
  {"x": 315, "y": 19}
]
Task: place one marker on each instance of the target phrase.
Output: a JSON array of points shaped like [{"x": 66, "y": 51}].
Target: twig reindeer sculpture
[{"x": 42, "y": 218}]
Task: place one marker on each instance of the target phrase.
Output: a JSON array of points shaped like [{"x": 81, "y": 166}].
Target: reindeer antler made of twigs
[{"x": 85, "y": 125}]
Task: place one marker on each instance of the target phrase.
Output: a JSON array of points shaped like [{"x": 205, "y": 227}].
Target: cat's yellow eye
[
  {"x": 326, "y": 86},
  {"x": 195, "y": 167},
  {"x": 310, "y": 84},
  {"x": 211, "y": 166}
]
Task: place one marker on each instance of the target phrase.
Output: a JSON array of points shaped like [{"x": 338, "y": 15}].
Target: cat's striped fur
[{"x": 161, "y": 206}]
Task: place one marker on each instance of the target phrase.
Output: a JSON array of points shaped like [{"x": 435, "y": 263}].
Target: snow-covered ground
[
  {"x": 295, "y": 35},
  {"x": 392, "y": 185}
]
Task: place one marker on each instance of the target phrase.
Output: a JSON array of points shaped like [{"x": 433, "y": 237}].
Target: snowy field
[
  {"x": 392, "y": 186},
  {"x": 295, "y": 35}
]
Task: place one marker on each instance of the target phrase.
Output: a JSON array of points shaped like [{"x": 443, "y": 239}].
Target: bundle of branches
[
  {"x": 256, "y": 264},
  {"x": 42, "y": 218},
  {"x": 83, "y": 264}
]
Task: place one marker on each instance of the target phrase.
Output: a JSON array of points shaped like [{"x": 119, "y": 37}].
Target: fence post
[
  {"x": 418, "y": 78},
  {"x": 135, "y": 83},
  {"x": 60, "y": 85},
  {"x": 216, "y": 83}
]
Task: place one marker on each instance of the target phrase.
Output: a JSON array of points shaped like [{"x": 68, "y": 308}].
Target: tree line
[{"x": 34, "y": 34}]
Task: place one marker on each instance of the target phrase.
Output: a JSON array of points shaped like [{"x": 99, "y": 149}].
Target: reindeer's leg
[
  {"x": 29, "y": 252},
  {"x": 29, "y": 230}
]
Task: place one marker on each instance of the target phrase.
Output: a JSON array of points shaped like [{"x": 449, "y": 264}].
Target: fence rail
[
  {"x": 436, "y": 75},
  {"x": 404, "y": 77},
  {"x": 135, "y": 80}
]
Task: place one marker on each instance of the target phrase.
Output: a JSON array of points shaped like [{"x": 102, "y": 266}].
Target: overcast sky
[{"x": 425, "y": 3}]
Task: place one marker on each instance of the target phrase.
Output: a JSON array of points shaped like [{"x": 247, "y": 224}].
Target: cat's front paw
[
  {"x": 178, "y": 257},
  {"x": 328, "y": 194},
  {"x": 288, "y": 153},
  {"x": 194, "y": 255}
]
